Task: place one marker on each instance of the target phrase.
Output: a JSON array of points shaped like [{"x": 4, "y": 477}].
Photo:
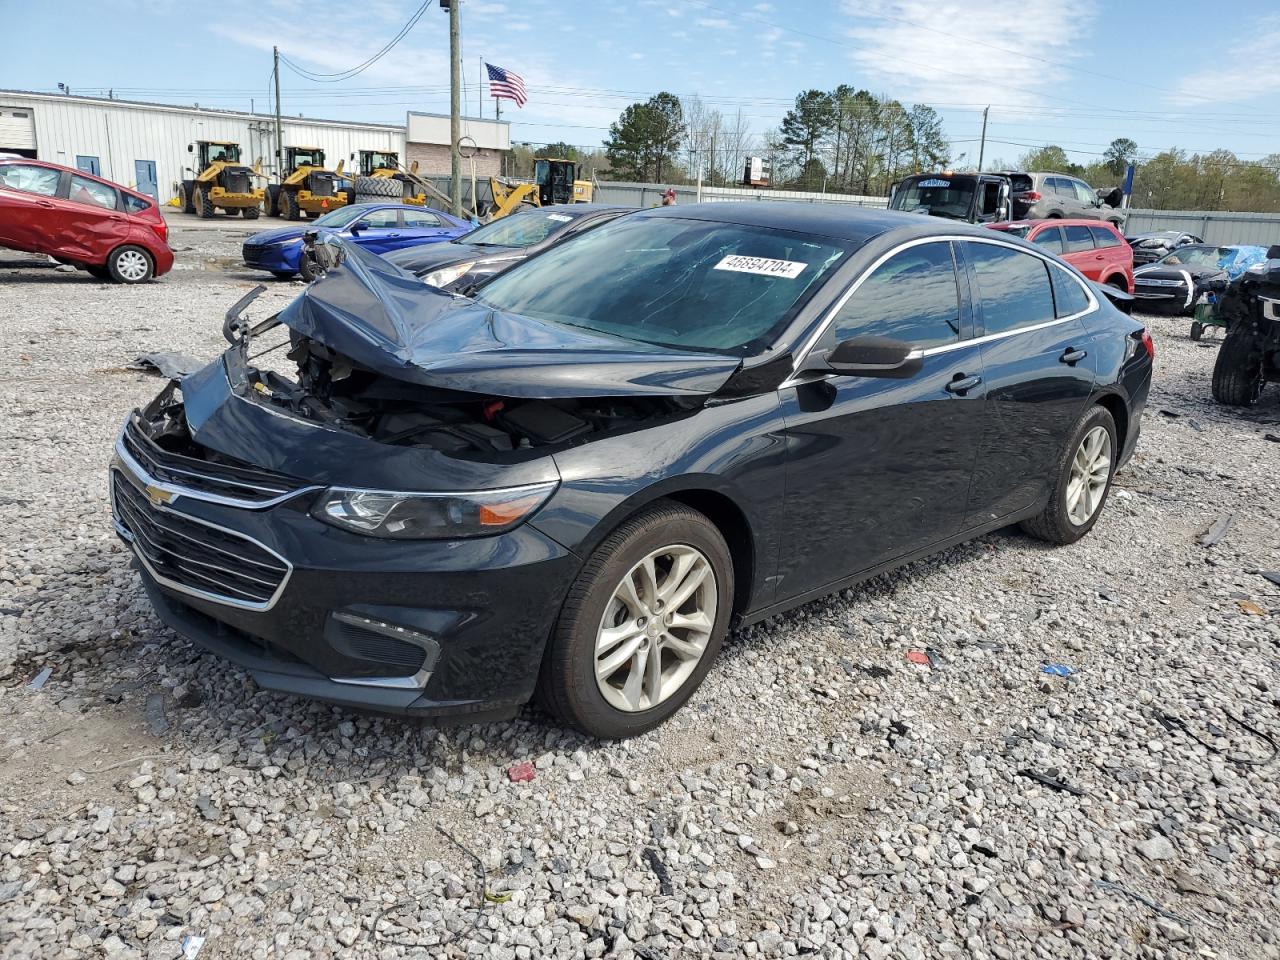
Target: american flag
[{"x": 503, "y": 84}]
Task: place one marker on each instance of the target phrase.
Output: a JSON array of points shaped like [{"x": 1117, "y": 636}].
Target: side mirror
[
  {"x": 356, "y": 227},
  {"x": 1273, "y": 252},
  {"x": 876, "y": 357},
  {"x": 190, "y": 148}
]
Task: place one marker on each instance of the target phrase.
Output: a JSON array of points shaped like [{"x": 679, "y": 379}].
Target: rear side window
[
  {"x": 1060, "y": 186},
  {"x": 1104, "y": 237},
  {"x": 1079, "y": 239},
  {"x": 135, "y": 204},
  {"x": 1051, "y": 239},
  {"x": 29, "y": 179},
  {"x": 1068, "y": 296},
  {"x": 1013, "y": 287},
  {"x": 420, "y": 218},
  {"x": 380, "y": 219},
  {"x": 92, "y": 193},
  {"x": 912, "y": 296}
]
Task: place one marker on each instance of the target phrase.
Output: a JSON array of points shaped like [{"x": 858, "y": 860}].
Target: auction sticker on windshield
[
  {"x": 761, "y": 265},
  {"x": 558, "y": 217}
]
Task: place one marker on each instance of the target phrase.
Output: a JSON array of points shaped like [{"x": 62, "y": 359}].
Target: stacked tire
[{"x": 378, "y": 190}]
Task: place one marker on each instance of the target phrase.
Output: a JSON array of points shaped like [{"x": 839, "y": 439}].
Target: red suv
[
  {"x": 1094, "y": 248},
  {"x": 76, "y": 218}
]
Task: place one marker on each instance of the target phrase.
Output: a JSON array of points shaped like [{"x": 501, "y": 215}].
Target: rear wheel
[
  {"x": 288, "y": 202},
  {"x": 250, "y": 213},
  {"x": 269, "y": 202},
  {"x": 203, "y": 205},
  {"x": 1238, "y": 376},
  {"x": 1197, "y": 330},
  {"x": 1082, "y": 482},
  {"x": 130, "y": 264},
  {"x": 641, "y": 626},
  {"x": 184, "y": 200}
]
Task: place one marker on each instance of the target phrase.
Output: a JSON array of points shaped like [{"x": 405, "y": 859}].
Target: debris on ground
[
  {"x": 40, "y": 679},
  {"x": 1056, "y": 669},
  {"x": 1218, "y": 530},
  {"x": 522, "y": 772},
  {"x": 1051, "y": 781},
  {"x": 659, "y": 870},
  {"x": 167, "y": 364}
]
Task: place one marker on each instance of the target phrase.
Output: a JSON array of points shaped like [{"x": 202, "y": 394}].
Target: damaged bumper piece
[{"x": 251, "y": 500}]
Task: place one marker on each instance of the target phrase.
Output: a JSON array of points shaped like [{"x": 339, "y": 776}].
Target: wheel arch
[{"x": 1115, "y": 405}]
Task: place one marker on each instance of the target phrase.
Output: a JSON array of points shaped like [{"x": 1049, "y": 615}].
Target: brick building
[{"x": 427, "y": 141}]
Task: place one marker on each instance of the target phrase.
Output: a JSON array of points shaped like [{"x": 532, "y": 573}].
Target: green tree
[
  {"x": 643, "y": 141},
  {"x": 560, "y": 151},
  {"x": 930, "y": 149},
  {"x": 1048, "y": 159},
  {"x": 807, "y": 123},
  {"x": 1119, "y": 154}
]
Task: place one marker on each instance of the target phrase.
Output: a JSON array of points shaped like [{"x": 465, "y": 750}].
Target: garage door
[{"x": 17, "y": 129}]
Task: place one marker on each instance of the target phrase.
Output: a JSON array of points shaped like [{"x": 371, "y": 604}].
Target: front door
[
  {"x": 378, "y": 230},
  {"x": 89, "y": 220},
  {"x": 879, "y": 468},
  {"x": 144, "y": 175},
  {"x": 1039, "y": 360},
  {"x": 28, "y": 205}
]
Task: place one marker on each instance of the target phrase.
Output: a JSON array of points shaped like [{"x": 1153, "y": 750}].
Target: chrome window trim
[
  {"x": 177, "y": 491},
  {"x": 417, "y": 681},
  {"x": 128, "y": 537},
  {"x": 812, "y": 340}
]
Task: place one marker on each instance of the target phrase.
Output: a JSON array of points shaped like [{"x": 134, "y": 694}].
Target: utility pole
[
  {"x": 982, "y": 147},
  {"x": 275, "y": 52},
  {"x": 455, "y": 121}
]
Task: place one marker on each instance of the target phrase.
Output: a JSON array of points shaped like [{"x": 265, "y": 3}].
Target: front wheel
[
  {"x": 641, "y": 626},
  {"x": 1238, "y": 376},
  {"x": 1082, "y": 481}
]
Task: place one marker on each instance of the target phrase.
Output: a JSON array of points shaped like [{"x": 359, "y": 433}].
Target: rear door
[
  {"x": 28, "y": 201},
  {"x": 1088, "y": 204},
  {"x": 1081, "y": 252},
  {"x": 1114, "y": 256},
  {"x": 1038, "y": 362},
  {"x": 90, "y": 219},
  {"x": 421, "y": 226},
  {"x": 880, "y": 468}
]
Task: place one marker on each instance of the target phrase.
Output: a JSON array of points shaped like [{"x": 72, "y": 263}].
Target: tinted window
[
  {"x": 421, "y": 218},
  {"x": 912, "y": 296},
  {"x": 28, "y": 179},
  {"x": 380, "y": 219},
  {"x": 1014, "y": 287},
  {"x": 92, "y": 192},
  {"x": 1061, "y": 186},
  {"x": 520, "y": 229},
  {"x": 702, "y": 284},
  {"x": 1078, "y": 239},
  {"x": 1104, "y": 237},
  {"x": 1069, "y": 297},
  {"x": 1051, "y": 239},
  {"x": 135, "y": 204}
]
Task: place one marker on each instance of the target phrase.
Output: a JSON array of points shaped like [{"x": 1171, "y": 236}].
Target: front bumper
[
  {"x": 344, "y": 619},
  {"x": 276, "y": 257}
]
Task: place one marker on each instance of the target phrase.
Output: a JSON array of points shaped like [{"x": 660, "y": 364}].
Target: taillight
[
  {"x": 1031, "y": 196},
  {"x": 1148, "y": 344},
  {"x": 161, "y": 227}
]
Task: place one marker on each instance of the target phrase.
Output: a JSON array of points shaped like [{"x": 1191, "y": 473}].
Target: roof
[
  {"x": 839, "y": 222},
  {"x": 1056, "y": 221}
]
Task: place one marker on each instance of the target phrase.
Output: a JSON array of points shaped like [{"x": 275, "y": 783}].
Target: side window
[
  {"x": 1084, "y": 193},
  {"x": 92, "y": 193},
  {"x": 380, "y": 219},
  {"x": 135, "y": 204},
  {"x": 28, "y": 179},
  {"x": 1068, "y": 296},
  {"x": 420, "y": 218},
  {"x": 1051, "y": 239},
  {"x": 1104, "y": 237},
  {"x": 1014, "y": 287},
  {"x": 1079, "y": 239},
  {"x": 912, "y": 296},
  {"x": 990, "y": 199},
  {"x": 1060, "y": 186}
]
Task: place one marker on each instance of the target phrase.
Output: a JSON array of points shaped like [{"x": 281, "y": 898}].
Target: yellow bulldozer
[
  {"x": 220, "y": 182},
  {"x": 307, "y": 188}
]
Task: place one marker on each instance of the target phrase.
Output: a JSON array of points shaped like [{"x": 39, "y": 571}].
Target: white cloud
[
  {"x": 635, "y": 56},
  {"x": 956, "y": 54},
  {"x": 715, "y": 23},
  {"x": 1237, "y": 75}
]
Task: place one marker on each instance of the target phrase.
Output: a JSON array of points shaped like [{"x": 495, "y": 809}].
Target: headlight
[
  {"x": 430, "y": 516},
  {"x": 446, "y": 275}
]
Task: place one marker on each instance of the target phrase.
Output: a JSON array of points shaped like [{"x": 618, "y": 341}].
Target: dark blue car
[{"x": 377, "y": 227}]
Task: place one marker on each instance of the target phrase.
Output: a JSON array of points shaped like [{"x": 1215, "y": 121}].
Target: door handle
[
  {"x": 960, "y": 384},
  {"x": 1073, "y": 356},
  {"x": 45, "y": 203}
]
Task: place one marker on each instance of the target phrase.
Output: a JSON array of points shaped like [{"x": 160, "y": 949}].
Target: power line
[{"x": 360, "y": 67}]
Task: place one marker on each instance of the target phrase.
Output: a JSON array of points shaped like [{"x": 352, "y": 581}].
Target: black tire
[
  {"x": 288, "y": 203},
  {"x": 269, "y": 204},
  {"x": 308, "y": 269},
  {"x": 184, "y": 198},
  {"x": 1238, "y": 377},
  {"x": 1197, "y": 330},
  {"x": 567, "y": 686},
  {"x": 283, "y": 274},
  {"x": 250, "y": 213},
  {"x": 203, "y": 205},
  {"x": 379, "y": 188},
  {"x": 1053, "y": 524},
  {"x": 130, "y": 264}
]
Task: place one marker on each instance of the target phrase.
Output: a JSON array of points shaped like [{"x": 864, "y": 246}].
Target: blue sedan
[{"x": 378, "y": 227}]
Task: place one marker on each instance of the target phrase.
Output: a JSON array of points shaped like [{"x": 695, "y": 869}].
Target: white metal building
[{"x": 144, "y": 145}]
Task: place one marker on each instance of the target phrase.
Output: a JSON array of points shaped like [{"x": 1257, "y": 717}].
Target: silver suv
[{"x": 1041, "y": 196}]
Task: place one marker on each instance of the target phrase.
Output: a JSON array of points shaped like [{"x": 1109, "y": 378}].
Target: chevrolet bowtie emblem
[{"x": 156, "y": 495}]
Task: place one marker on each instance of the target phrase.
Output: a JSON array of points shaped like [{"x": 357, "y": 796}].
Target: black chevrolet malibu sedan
[{"x": 573, "y": 482}]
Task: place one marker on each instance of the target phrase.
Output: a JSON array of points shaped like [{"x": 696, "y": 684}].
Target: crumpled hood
[
  {"x": 389, "y": 321},
  {"x": 282, "y": 233}
]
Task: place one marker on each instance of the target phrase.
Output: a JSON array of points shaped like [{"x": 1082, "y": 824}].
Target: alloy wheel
[
  {"x": 132, "y": 265},
  {"x": 1090, "y": 471},
  {"x": 655, "y": 628}
]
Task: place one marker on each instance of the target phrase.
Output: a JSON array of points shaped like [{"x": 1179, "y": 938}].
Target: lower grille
[
  {"x": 252, "y": 252},
  {"x": 235, "y": 182},
  {"x": 349, "y": 636},
  {"x": 201, "y": 559},
  {"x": 323, "y": 186}
]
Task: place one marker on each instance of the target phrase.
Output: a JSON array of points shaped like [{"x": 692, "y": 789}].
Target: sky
[{"x": 1077, "y": 74}]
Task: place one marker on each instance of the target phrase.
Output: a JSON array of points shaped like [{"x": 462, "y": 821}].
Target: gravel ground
[{"x": 820, "y": 795}]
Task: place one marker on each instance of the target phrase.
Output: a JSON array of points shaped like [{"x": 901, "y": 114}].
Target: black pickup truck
[
  {"x": 1250, "y": 353},
  {"x": 971, "y": 197}
]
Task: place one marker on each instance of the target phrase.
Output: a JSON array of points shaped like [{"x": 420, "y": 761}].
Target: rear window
[
  {"x": 1069, "y": 297},
  {"x": 1079, "y": 239},
  {"x": 1021, "y": 183},
  {"x": 1104, "y": 237},
  {"x": 92, "y": 193},
  {"x": 135, "y": 204}
]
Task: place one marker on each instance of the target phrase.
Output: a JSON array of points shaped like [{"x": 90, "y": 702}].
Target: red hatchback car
[
  {"x": 1093, "y": 247},
  {"x": 112, "y": 232}
]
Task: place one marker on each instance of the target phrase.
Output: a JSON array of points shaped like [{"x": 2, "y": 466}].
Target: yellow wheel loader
[
  {"x": 381, "y": 179},
  {"x": 221, "y": 183},
  {"x": 307, "y": 186},
  {"x": 554, "y": 181}
]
